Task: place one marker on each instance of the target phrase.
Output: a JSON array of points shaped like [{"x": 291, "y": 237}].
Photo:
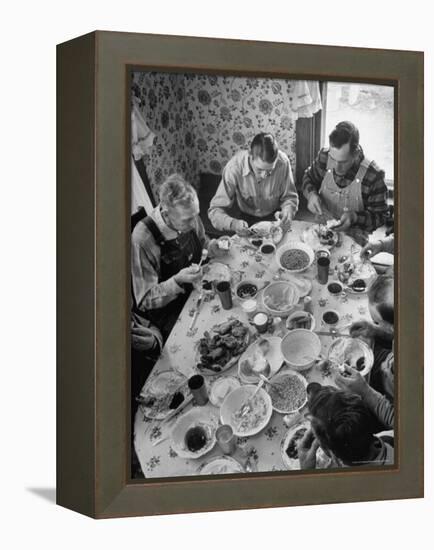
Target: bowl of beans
[
  {"x": 245, "y": 290},
  {"x": 295, "y": 257}
]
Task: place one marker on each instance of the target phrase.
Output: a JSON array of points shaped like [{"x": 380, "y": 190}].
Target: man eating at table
[
  {"x": 166, "y": 248},
  {"x": 343, "y": 184},
  {"x": 256, "y": 185}
]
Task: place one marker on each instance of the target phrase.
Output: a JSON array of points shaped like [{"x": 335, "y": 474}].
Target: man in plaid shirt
[{"x": 343, "y": 184}]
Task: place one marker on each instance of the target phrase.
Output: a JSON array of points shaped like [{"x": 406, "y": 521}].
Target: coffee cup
[
  {"x": 335, "y": 288},
  {"x": 267, "y": 248},
  {"x": 261, "y": 321}
]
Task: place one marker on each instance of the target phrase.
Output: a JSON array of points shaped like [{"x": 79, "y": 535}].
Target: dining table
[{"x": 262, "y": 452}]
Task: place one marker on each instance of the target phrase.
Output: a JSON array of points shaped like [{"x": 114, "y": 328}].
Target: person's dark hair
[
  {"x": 380, "y": 293},
  {"x": 345, "y": 132},
  {"x": 265, "y": 147},
  {"x": 342, "y": 423}
]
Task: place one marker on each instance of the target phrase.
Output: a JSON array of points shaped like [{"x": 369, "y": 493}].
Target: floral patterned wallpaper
[
  {"x": 163, "y": 104},
  {"x": 200, "y": 121},
  {"x": 229, "y": 111}
]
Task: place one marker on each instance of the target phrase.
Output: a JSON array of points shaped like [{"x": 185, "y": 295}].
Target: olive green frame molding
[{"x": 93, "y": 205}]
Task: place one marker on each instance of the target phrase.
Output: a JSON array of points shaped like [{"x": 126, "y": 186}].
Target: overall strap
[
  {"x": 155, "y": 232},
  {"x": 363, "y": 168}
]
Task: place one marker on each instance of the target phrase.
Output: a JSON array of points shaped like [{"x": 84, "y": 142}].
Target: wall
[
  {"x": 200, "y": 121},
  {"x": 164, "y": 106}
]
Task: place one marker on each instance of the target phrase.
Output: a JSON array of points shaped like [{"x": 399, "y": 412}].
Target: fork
[{"x": 247, "y": 407}]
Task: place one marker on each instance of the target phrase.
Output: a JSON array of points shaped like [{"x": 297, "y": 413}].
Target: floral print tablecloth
[{"x": 262, "y": 451}]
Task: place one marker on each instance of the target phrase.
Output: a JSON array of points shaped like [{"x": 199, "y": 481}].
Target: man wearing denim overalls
[{"x": 343, "y": 184}]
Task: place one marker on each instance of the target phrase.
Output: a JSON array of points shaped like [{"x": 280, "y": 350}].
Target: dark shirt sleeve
[
  {"x": 374, "y": 194},
  {"x": 381, "y": 407},
  {"x": 314, "y": 174}
]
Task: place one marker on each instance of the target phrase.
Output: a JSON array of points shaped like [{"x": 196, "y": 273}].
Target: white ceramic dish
[
  {"x": 158, "y": 393},
  {"x": 291, "y": 321},
  {"x": 257, "y": 418},
  {"x": 312, "y": 237},
  {"x": 280, "y": 297},
  {"x": 292, "y": 462},
  {"x": 221, "y": 387},
  {"x": 295, "y": 245},
  {"x": 291, "y": 378},
  {"x": 220, "y": 465},
  {"x": 244, "y": 282},
  {"x": 217, "y": 369},
  {"x": 273, "y": 356},
  {"x": 301, "y": 348},
  {"x": 352, "y": 351},
  {"x": 268, "y": 230},
  {"x": 196, "y": 417}
]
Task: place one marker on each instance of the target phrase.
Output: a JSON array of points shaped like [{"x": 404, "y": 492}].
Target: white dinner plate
[{"x": 274, "y": 357}]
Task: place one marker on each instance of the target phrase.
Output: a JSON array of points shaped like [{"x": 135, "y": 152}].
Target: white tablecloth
[{"x": 261, "y": 452}]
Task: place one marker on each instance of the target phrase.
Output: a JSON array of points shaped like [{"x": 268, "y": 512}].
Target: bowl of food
[
  {"x": 246, "y": 289},
  {"x": 300, "y": 319},
  {"x": 331, "y": 317},
  {"x": 267, "y": 230},
  {"x": 246, "y": 414},
  {"x": 301, "y": 348},
  {"x": 351, "y": 352},
  {"x": 289, "y": 445},
  {"x": 280, "y": 297},
  {"x": 288, "y": 392},
  {"x": 318, "y": 235},
  {"x": 295, "y": 256},
  {"x": 193, "y": 435},
  {"x": 220, "y": 465}
]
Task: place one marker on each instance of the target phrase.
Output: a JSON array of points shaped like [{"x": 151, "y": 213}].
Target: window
[{"x": 370, "y": 108}]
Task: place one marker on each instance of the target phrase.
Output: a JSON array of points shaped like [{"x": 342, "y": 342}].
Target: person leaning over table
[
  {"x": 379, "y": 393},
  {"x": 342, "y": 183},
  {"x": 255, "y": 185},
  {"x": 345, "y": 428},
  {"x": 166, "y": 248}
]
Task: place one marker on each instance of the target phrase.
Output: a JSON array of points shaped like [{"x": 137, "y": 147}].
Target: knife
[
  {"x": 196, "y": 313},
  {"x": 337, "y": 334}
]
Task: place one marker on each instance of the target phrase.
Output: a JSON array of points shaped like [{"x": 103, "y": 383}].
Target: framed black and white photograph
[
  {"x": 245, "y": 290},
  {"x": 262, "y": 255}
]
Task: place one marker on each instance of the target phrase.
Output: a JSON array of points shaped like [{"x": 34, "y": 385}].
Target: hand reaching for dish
[{"x": 307, "y": 448}]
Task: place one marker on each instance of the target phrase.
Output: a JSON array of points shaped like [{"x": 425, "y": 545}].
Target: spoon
[{"x": 203, "y": 257}]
